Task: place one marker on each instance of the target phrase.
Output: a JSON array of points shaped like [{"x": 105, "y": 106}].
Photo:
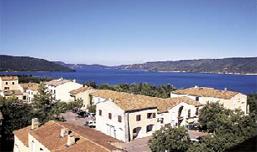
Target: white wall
[
  {"x": 108, "y": 126},
  {"x": 19, "y": 146},
  {"x": 35, "y": 145},
  {"x": 239, "y": 101},
  {"x": 61, "y": 92}
]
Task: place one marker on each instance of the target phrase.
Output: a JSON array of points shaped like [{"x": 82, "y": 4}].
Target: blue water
[{"x": 242, "y": 83}]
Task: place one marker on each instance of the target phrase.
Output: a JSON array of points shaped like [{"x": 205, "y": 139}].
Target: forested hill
[
  {"x": 226, "y": 65},
  {"x": 20, "y": 63}
]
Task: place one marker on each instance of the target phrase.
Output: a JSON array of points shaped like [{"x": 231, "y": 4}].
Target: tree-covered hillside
[
  {"x": 20, "y": 63},
  {"x": 226, "y": 65}
]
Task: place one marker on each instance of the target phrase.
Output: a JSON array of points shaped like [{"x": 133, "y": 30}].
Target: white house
[
  {"x": 127, "y": 116},
  {"x": 229, "y": 99},
  {"x": 60, "y": 89},
  {"x": 29, "y": 90}
]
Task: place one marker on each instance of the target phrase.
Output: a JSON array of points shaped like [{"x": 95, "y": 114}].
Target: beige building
[
  {"x": 29, "y": 91},
  {"x": 62, "y": 137},
  {"x": 9, "y": 87},
  {"x": 60, "y": 89},
  {"x": 82, "y": 93},
  {"x": 229, "y": 99},
  {"x": 127, "y": 116}
]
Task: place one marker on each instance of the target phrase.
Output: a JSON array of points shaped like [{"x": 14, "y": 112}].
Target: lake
[{"x": 242, "y": 83}]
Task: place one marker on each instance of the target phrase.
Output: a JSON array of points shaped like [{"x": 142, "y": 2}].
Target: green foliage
[
  {"x": 170, "y": 139},
  {"x": 252, "y": 102},
  {"x": 229, "y": 127},
  {"x": 16, "y": 115},
  {"x": 162, "y": 91},
  {"x": 30, "y": 78}
]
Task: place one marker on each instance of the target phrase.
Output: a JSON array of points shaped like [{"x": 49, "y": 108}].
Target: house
[
  {"x": 9, "y": 87},
  {"x": 229, "y": 99},
  {"x": 29, "y": 90},
  {"x": 9, "y": 83},
  {"x": 82, "y": 93},
  {"x": 126, "y": 116},
  {"x": 56, "y": 136},
  {"x": 60, "y": 89}
]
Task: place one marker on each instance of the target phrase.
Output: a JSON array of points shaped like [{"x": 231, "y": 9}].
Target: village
[{"x": 120, "y": 122}]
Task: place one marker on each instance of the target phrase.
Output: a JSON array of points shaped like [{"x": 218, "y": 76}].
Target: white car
[{"x": 91, "y": 123}]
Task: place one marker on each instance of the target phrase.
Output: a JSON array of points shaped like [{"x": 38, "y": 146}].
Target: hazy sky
[{"x": 128, "y": 31}]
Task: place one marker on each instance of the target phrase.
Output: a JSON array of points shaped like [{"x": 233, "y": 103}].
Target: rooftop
[
  {"x": 8, "y": 78},
  {"x": 79, "y": 90},
  {"x": 130, "y": 102},
  {"x": 30, "y": 86},
  {"x": 88, "y": 140},
  {"x": 207, "y": 92},
  {"x": 57, "y": 82}
]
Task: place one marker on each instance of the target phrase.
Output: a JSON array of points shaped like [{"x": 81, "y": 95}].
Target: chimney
[
  {"x": 70, "y": 140},
  {"x": 63, "y": 132},
  {"x": 34, "y": 123},
  {"x": 74, "y": 80}
]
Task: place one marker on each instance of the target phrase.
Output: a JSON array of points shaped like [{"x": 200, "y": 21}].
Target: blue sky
[{"x": 128, "y": 31}]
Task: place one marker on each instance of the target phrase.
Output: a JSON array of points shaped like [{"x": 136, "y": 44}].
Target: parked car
[
  {"x": 83, "y": 114},
  {"x": 92, "y": 114},
  {"x": 91, "y": 123}
]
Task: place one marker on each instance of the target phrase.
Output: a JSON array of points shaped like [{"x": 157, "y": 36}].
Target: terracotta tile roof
[
  {"x": 79, "y": 90},
  {"x": 57, "y": 82},
  {"x": 166, "y": 104},
  {"x": 207, "y": 92},
  {"x": 130, "y": 102},
  {"x": 23, "y": 134},
  {"x": 12, "y": 92},
  {"x": 8, "y": 78},
  {"x": 89, "y": 140},
  {"x": 30, "y": 86}
]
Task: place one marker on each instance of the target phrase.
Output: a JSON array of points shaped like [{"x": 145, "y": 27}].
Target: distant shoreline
[{"x": 74, "y": 70}]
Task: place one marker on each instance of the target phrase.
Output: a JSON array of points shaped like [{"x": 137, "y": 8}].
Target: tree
[
  {"x": 170, "y": 139},
  {"x": 42, "y": 104}
]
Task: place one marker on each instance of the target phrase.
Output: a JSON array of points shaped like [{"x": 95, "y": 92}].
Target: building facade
[
  {"x": 229, "y": 99},
  {"x": 60, "y": 89},
  {"x": 9, "y": 87},
  {"x": 82, "y": 93},
  {"x": 127, "y": 116},
  {"x": 29, "y": 91}
]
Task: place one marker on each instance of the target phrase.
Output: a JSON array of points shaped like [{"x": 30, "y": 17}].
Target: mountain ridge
[{"x": 26, "y": 63}]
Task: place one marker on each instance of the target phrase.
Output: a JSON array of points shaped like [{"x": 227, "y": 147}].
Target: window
[
  {"x": 160, "y": 120},
  {"x": 138, "y": 117},
  {"x": 197, "y": 98},
  {"x": 149, "y": 128},
  {"x": 41, "y": 149},
  {"x": 119, "y": 118},
  {"x": 189, "y": 113},
  {"x": 6, "y": 88},
  {"x": 197, "y": 111},
  {"x": 6, "y": 83},
  {"x": 109, "y": 115},
  {"x": 151, "y": 115},
  {"x": 13, "y": 83},
  {"x": 100, "y": 112}
]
